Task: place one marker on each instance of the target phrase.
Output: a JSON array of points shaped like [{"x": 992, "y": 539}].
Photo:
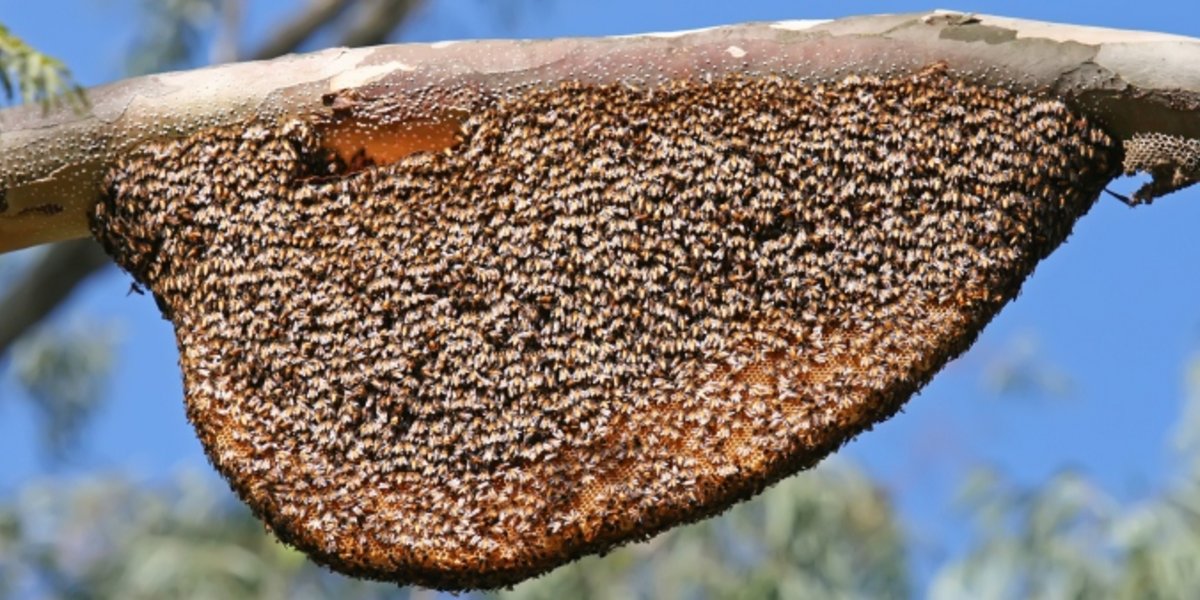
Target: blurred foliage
[
  {"x": 30, "y": 76},
  {"x": 178, "y": 34},
  {"x": 172, "y": 34},
  {"x": 64, "y": 368},
  {"x": 1041, "y": 543},
  {"x": 113, "y": 538},
  {"x": 829, "y": 533},
  {"x": 1068, "y": 539},
  {"x": 825, "y": 534},
  {"x": 1021, "y": 370},
  {"x": 509, "y": 12}
]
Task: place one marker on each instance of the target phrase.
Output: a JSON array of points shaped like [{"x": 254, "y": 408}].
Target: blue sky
[{"x": 1116, "y": 309}]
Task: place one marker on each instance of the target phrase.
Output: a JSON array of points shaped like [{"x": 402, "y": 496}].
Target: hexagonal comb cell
[
  {"x": 607, "y": 310},
  {"x": 1172, "y": 161}
]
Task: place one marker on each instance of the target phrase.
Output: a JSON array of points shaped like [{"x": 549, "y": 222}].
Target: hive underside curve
[{"x": 608, "y": 310}]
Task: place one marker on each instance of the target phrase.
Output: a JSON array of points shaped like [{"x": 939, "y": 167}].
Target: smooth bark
[{"x": 52, "y": 166}]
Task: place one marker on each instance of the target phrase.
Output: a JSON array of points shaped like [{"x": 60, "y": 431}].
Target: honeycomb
[
  {"x": 607, "y": 310},
  {"x": 1172, "y": 161}
]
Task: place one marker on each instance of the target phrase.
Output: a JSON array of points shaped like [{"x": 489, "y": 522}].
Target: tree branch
[
  {"x": 378, "y": 22},
  {"x": 292, "y": 34},
  {"x": 51, "y": 166}
]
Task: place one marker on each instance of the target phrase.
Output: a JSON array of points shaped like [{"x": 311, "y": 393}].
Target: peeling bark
[{"x": 51, "y": 167}]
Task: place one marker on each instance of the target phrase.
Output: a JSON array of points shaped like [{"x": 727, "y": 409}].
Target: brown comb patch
[
  {"x": 607, "y": 311},
  {"x": 360, "y": 145}
]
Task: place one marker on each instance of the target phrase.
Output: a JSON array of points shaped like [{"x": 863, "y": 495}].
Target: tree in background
[
  {"x": 1070, "y": 539},
  {"x": 828, "y": 534}
]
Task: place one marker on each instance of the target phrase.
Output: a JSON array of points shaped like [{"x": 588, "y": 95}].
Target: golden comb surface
[{"x": 606, "y": 311}]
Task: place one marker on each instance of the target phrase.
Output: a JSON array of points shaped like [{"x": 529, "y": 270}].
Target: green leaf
[{"x": 37, "y": 77}]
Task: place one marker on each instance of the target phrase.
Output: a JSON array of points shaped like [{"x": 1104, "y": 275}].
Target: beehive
[{"x": 607, "y": 310}]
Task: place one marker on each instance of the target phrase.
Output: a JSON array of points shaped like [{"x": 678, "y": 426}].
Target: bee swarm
[{"x": 609, "y": 310}]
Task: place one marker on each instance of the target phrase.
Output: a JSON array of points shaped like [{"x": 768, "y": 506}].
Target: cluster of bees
[{"x": 609, "y": 310}]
